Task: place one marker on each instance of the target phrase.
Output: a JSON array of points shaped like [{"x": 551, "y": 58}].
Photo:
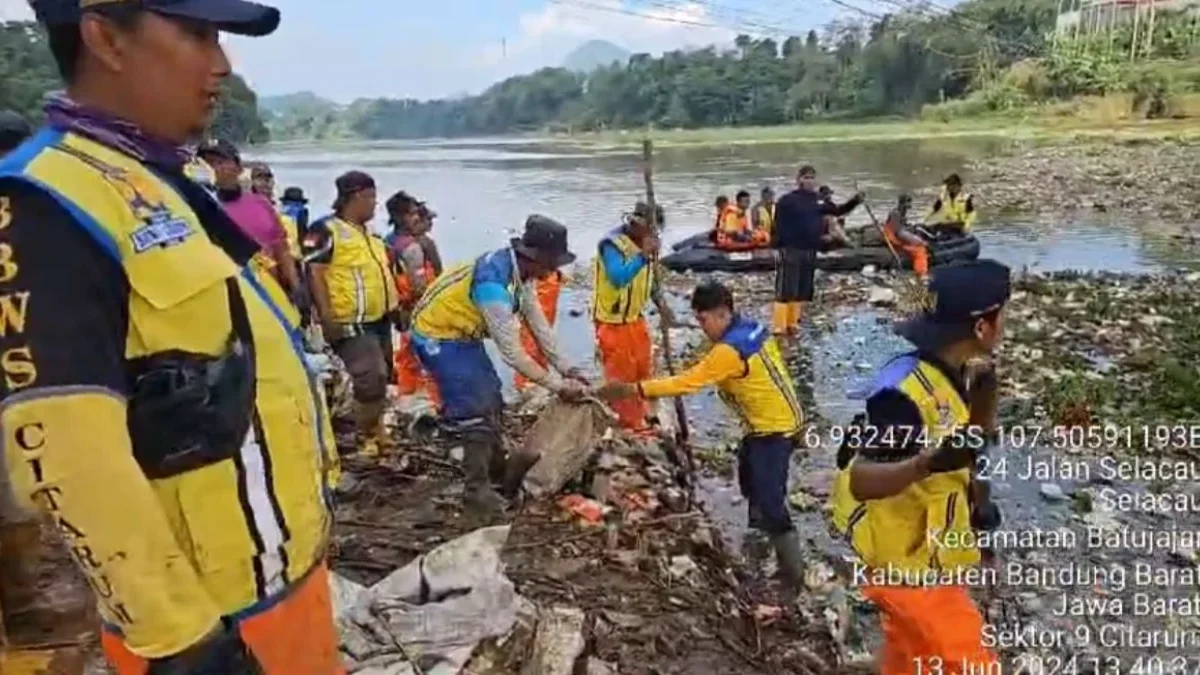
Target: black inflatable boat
[{"x": 698, "y": 254}]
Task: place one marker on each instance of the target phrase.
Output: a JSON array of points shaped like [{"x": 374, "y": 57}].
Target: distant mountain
[
  {"x": 300, "y": 101},
  {"x": 595, "y": 54}
]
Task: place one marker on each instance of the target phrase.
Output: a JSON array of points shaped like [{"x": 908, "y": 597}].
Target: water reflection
[{"x": 483, "y": 188}]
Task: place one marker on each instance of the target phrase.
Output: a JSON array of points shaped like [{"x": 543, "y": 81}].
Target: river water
[{"x": 483, "y": 190}]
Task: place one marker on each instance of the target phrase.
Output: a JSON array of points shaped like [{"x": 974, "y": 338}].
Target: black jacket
[{"x": 800, "y": 219}]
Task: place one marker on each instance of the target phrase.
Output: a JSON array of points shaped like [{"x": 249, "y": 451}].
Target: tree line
[
  {"x": 28, "y": 73},
  {"x": 990, "y": 54}
]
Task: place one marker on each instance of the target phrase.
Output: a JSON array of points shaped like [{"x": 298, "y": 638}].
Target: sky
[{"x": 347, "y": 49}]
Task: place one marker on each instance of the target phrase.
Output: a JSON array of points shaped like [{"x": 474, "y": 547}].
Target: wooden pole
[
  {"x": 1150, "y": 31},
  {"x": 683, "y": 433}
]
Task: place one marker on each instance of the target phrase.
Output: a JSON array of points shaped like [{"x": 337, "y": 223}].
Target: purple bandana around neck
[{"x": 63, "y": 113}]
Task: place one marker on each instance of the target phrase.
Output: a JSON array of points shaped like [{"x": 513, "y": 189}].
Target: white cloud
[
  {"x": 15, "y": 10},
  {"x": 548, "y": 35}
]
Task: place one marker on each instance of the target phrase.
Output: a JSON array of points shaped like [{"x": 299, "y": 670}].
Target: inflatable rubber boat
[{"x": 699, "y": 254}]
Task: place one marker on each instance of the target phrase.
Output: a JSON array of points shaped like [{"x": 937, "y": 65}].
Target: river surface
[{"x": 483, "y": 190}]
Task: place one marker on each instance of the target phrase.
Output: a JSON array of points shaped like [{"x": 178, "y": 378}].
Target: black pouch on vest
[
  {"x": 849, "y": 448},
  {"x": 188, "y": 411}
]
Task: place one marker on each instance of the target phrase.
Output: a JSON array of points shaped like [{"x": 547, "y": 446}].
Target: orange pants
[
  {"x": 548, "y": 290},
  {"x": 918, "y": 252},
  {"x": 411, "y": 377},
  {"x": 933, "y": 625},
  {"x": 624, "y": 351},
  {"x": 294, "y": 637}
]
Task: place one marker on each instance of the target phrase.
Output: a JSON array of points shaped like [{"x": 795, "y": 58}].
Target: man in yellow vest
[
  {"x": 20, "y": 534},
  {"x": 747, "y": 368},
  {"x": 155, "y": 402},
  {"x": 481, "y": 299},
  {"x": 905, "y": 495},
  {"x": 762, "y": 217},
  {"x": 356, "y": 300},
  {"x": 954, "y": 210},
  {"x": 623, "y": 283}
]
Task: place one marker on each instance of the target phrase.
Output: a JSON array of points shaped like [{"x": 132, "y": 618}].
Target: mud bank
[{"x": 1153, "y": 180}]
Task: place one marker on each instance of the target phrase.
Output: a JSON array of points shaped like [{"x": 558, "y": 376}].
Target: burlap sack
[{"x": 563, "y": 439}]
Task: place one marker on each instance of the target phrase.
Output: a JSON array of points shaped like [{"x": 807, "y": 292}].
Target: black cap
[
  {"x": 958, "y": 295},
  {"x": 353, "y": 181},
  {"x": 294, "y": 194},
  {"x": 349, "y": 184},
  {"x": 13, "y": 130},
  {"x": 642, "y": 210},
  {"x": 231, "y": 16},
  {"x": 219, "y": 147},
  {"x": 544, "y": 241}
]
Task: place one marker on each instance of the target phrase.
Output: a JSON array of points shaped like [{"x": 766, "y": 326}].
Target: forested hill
[
  {"x": 27, "y": 74},
  {"x": 984, "y": 55}
]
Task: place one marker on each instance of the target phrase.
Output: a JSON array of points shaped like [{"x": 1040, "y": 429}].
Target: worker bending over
[
  {"x": 953, "y": 212},
  {"x": 413, "y": 272},
  {"x": 154, "y": 403},
  {"x": 623, "y": 283},
  {"x": 482, "y": 299},
  {"x": 898, "y": 233},
  {"x": 354, "y": 293},
  {"x": 930, "y": 415},
  {"x": 548, "y": 288},
  {"x": 746, "y": 366},
  {"x": 736, "y": 231}
]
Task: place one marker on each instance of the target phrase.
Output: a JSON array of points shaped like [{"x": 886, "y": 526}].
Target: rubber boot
[
  {"x": 19, "y": 601},
  {"x": 779, "y": 318},
  {"x": 370, "y": 418},
  {"x": 498, "y": 464},
  {"x": 791, "y": 563},
  {"x": 383, "y": 438},
  {"x": 479, "y": 493},
  {"x": 514, "y": 474}
]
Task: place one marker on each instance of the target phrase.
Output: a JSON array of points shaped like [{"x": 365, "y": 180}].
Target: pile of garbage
[
  {"x": 1152, "y": 178},
  {"x": 607, "y": 566}
]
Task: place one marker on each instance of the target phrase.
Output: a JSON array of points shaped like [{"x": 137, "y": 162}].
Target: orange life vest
[{"x": 404, "y": 287}]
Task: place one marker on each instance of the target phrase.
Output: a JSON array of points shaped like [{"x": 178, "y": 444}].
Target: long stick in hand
[{"x": 664, "y": 330}]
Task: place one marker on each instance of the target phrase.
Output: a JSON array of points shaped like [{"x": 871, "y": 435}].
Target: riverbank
[{"x": 1033, "y": 126}]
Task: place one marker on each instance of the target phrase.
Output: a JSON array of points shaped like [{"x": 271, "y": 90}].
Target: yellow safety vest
[
  {"x": 293, "y": 233},
  {"x": 763, "y": 396},
  {"x": 360, "y": 283},
  {"x": 766, "y": 217},
  {"x": 953, "y": 210},
  {"x": 894, "y": 533},
  {"x": 254, "y": 525},
  {"x": 446, "y": 310},
  {"x": 620, "y": 305}
]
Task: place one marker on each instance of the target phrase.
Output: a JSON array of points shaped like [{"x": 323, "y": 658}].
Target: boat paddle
[
  {"x": 913, "y": 287},
  {"x": 687, "y": 467}
]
